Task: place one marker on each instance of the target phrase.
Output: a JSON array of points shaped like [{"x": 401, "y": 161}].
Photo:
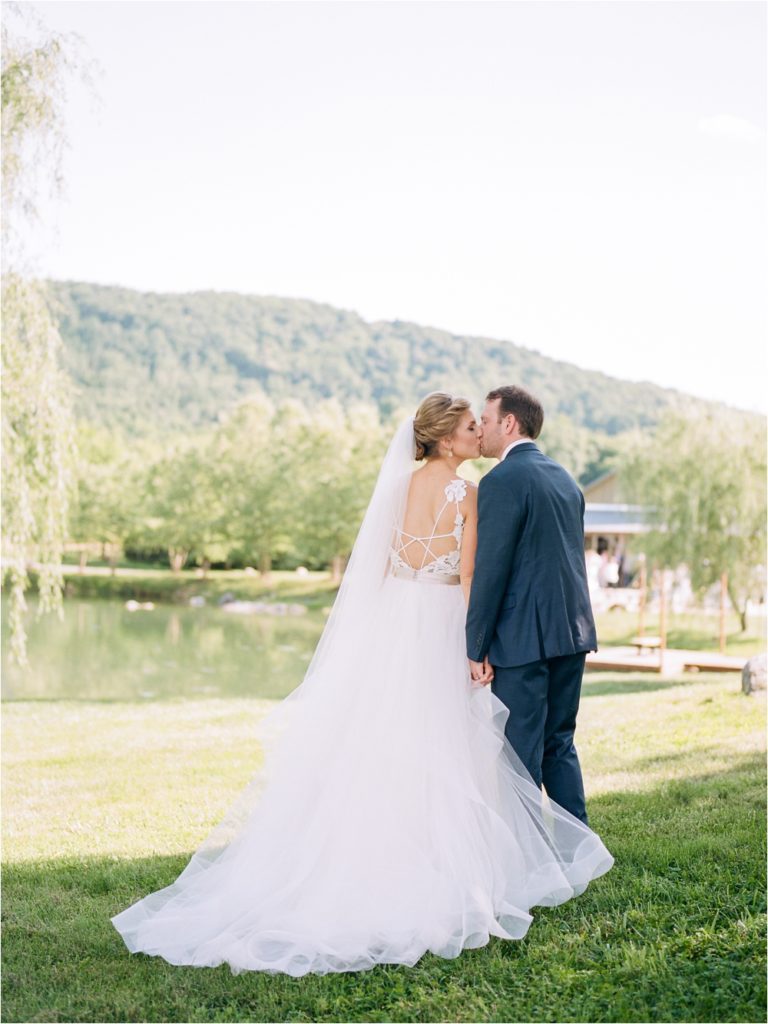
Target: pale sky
[{"x": 583, "y": 178}]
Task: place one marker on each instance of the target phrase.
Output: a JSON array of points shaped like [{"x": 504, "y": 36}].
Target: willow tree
[
  {"x": 703, "y": 481},
  {"x": 37, "y": 435}
]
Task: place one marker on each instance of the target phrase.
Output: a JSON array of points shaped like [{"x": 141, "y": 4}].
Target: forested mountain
[
  {"x": 152, "y": 363},
  {"x": 195, "y": 409}
]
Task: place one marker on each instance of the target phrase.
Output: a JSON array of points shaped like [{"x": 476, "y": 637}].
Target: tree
[
  {"x": 37, "y": 433},
  {"x": 258, "y": 447},
  {"x": 704, "y": 480},
  {"x": 109, "y": 479},
  {"x": 184, "y": 503},
  {"x": 341, "y": 461}
]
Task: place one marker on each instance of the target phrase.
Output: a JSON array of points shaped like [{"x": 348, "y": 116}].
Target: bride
[{"x": 390, "y": 817}]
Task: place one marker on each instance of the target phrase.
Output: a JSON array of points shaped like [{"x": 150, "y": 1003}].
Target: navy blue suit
[{"x": 529, "y": 611}]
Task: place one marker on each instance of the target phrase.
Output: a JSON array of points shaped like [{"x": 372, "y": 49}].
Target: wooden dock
[{"x": 669, "y": 662}]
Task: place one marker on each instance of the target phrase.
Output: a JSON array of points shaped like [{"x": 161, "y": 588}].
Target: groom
[{"x": 529, "y": 614}]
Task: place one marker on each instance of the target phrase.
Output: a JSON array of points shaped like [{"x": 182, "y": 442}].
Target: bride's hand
[{"x": 481, "y": 671}]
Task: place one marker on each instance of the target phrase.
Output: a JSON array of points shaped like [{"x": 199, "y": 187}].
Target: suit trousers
[{"x": 543, "y": 699}]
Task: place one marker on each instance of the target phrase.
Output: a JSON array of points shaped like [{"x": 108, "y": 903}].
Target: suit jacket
[{"x": 529, "y": 599}]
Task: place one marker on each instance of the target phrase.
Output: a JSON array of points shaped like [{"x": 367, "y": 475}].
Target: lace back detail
[{"x": 442, "y": 565}]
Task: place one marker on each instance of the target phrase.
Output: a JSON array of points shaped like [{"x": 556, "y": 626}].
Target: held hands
[{"x": 481, "y": 671}]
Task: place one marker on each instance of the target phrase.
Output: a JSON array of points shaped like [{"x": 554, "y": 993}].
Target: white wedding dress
[{"x": 391, "y": 817}]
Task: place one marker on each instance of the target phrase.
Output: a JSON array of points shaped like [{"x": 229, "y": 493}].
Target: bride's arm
[{"x": 468, "y": 541}]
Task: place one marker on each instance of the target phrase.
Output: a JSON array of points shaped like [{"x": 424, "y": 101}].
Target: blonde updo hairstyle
[{"x": 437, "y": 417}]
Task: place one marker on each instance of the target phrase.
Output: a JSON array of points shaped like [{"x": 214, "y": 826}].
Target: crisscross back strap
[{"x": 455, "y": 492}]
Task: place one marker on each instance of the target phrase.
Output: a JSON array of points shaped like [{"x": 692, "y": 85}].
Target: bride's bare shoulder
[
  {"x": 435, "y": 488},
  {"x": 470, "y": 496}
]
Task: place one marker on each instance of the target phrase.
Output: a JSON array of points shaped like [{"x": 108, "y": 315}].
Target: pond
[{"x": 103, "y": 651}]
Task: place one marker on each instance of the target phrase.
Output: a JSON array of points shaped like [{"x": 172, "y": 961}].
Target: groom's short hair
[{"x": 521, "y": 404}]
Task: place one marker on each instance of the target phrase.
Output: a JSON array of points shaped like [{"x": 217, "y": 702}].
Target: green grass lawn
[
  {"x": 104, "y": 802},
  {"x": 692, "y": 630}
]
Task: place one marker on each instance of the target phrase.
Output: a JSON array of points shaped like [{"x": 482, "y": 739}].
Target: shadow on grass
[
  {"x": 694, "y": 754},
  {"x": 672, "y": 933}
]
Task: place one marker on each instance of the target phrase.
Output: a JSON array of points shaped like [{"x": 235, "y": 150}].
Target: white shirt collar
[{"x": 508, "y": 449}]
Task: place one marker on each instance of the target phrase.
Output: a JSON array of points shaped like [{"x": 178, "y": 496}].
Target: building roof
[
  {"x": 613, "y": 517},
  {"x": 599, "y": 480}
]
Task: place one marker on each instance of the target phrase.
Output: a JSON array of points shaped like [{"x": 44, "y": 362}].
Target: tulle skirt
[{"x": 391, "y": 818}]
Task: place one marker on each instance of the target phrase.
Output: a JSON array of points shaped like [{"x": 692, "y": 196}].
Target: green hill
[{"x": 150, "y": 363}]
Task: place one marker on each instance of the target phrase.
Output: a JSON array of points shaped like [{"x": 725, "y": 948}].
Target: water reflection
[{"x": 102, "y": 651}]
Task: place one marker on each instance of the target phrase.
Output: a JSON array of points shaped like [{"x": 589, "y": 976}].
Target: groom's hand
[{"x": 481, "y": 671}]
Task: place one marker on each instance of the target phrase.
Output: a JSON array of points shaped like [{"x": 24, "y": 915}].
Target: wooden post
[
  {"x": 723, "y": 596},
  {"x": 662, "y": 616},
  {"x": 643, "y": 588}
]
